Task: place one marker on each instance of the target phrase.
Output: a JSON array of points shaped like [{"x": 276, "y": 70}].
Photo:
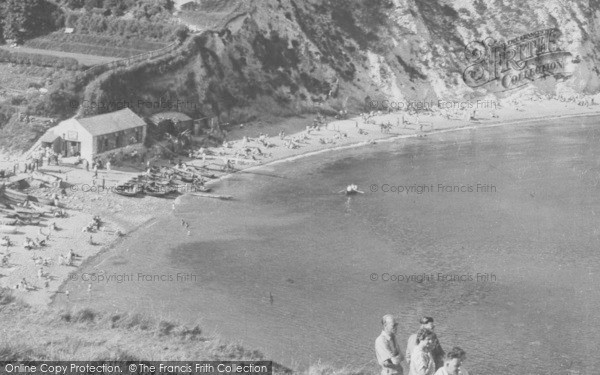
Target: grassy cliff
[{"x": 32, "y": 334}]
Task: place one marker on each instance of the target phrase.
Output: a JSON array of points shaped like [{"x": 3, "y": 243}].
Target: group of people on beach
[{"x": 424, "y": 354}]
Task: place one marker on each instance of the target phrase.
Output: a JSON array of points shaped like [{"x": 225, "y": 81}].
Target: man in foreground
[{"x": 387, "y": 350}]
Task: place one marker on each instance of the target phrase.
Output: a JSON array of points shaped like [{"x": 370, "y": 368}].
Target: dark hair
[
  {"x": 423, "y": 333},
  {"x": 426, "y": 319},
  {"x": 455, "y": 352}
]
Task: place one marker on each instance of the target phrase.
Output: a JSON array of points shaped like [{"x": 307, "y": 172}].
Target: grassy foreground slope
[{"x": 32, "y": 334}]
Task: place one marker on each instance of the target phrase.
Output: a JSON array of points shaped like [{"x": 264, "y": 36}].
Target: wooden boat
[
  {"x": 187, "y": 179},
  {"x": 28, "y": 216},
  {"x": 16, "y": 195},
  {"x": 8, "y": 212},
  {"x": 185, "y": 176},
  {"x": 156, "y": 193},
  {"x": 201, "y": 188},
  {"x": 128, "y": 184},
  {"x": 126, "y": 190},
  {"x": 24, "y": 210},
  {"x": 154, "y": 177},
  {"x": 5, "y": 221},
  {"x": 46, "y": 177},
  {"x": 42, "y": 200},
  {"x": 29, "y": 222},
  {"x": 40, "y": 208},
  {"x": 352, "y": 190}
]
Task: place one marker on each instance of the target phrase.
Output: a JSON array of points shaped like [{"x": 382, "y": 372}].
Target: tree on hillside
[
  {"x": 14, "y": 20},
  {"x": 115, "y": 7},
  {"x": 27, "y": 18},
  {"x": 182, "y": 33}
]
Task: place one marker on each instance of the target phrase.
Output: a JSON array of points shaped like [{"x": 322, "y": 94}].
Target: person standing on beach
[
  {"x": 437, "y": 352},
  {"x": 421, "y": 361},
  {"x": 389, "y": 355}
]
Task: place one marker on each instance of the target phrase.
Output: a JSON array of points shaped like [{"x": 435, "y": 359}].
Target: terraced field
[
  {"x": 95, "y": 45},
  {"x": 83, "y": 59}
]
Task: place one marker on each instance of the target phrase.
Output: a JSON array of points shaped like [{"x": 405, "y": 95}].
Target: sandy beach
[{"x": 84, "y": 200}]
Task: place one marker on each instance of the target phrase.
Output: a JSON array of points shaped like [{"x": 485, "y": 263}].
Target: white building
[{"x": 91, "y": 136}]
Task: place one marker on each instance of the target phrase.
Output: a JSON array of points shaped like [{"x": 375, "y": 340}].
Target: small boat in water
[{"x": 351, "y": 190}]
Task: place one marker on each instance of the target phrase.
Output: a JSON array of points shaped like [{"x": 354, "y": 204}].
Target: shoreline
[
  {"x": 90, "y": 260},
  {"x": 132, "y": 214},
  {"x": 395, "y": 137}
]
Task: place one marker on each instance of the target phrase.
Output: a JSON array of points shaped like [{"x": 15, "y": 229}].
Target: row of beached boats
[
  {"x": 165, "y": 181},
  {"x": 17, "y": 208}
]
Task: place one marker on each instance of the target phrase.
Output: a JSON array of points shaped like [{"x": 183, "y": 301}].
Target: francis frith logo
[{"x": 502, "y": 66}]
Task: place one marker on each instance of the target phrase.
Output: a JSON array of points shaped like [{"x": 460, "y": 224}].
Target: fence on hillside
[{"x": 133, "y": 59}]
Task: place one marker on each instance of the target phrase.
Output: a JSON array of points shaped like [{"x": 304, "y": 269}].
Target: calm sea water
[{"x": 327, "y": 259}]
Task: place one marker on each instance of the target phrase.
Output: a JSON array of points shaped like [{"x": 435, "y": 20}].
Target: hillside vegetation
[{"x": 285, "y": 57}]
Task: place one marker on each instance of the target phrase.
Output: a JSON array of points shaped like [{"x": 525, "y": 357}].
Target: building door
[{"x": 74, "y": 149}]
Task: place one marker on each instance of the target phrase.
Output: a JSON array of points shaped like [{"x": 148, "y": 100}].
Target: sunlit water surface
[{"x": 290, "y": 235}]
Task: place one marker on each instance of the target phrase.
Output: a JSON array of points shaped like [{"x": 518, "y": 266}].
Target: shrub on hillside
[
  {"x": 58, "y": 103},
  {"x": 17, "y": 100}
]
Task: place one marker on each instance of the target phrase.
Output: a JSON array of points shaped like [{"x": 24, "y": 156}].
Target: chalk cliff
[{"x": 290, "y": 56}]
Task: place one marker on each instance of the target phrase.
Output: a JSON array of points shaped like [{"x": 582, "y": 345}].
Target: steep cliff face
[{"x": 291, "y": 56}]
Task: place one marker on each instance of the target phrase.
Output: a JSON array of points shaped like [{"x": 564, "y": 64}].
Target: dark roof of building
[
  {"x": 111, "y": 122},
  {"x": 173, "y": 116},
  {"x": 49, "y": 137}
]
